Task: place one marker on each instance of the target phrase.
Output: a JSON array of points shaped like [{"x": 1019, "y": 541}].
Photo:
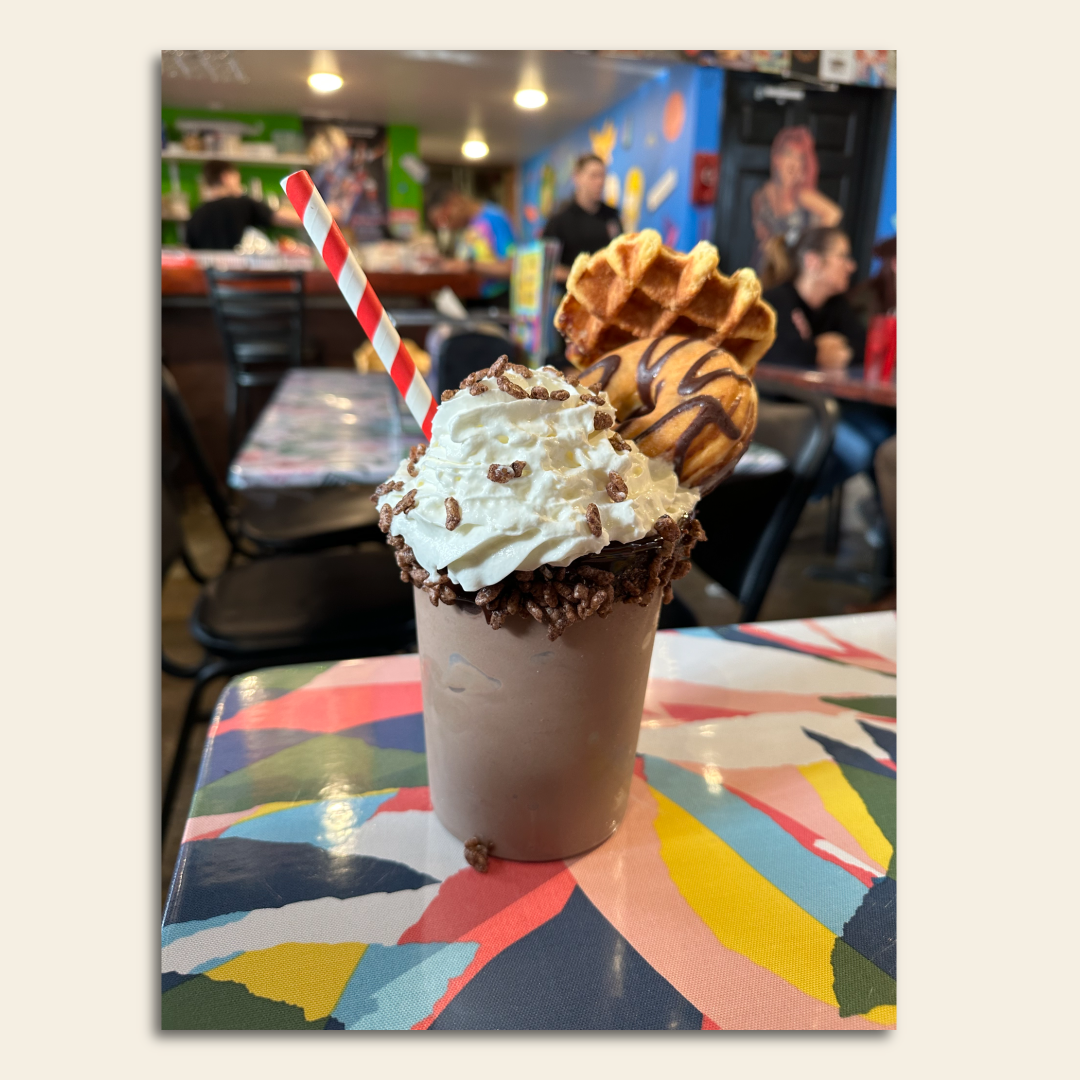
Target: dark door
[{"x": 850, "y": 127}]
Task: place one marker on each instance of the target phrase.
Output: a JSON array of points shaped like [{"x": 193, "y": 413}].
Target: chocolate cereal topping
[
  {"x": 453, "y": 513},
  {"x": 500, "y": 474},
  {"x": 616, "y": 487}
]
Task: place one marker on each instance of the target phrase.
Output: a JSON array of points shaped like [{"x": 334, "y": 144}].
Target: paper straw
[{"x": 360, "y": 297}]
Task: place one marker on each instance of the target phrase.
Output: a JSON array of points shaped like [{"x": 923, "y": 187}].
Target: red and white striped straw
[{"x": 360, "y": 297}]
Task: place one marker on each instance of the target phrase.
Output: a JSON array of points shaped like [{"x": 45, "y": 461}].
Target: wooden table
[
  {"x": 833, "y": 384},
  {"x": 751, "y": 884}
]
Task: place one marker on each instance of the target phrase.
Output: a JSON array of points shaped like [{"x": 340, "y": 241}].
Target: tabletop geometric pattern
[{"x": 751, "y": 885}]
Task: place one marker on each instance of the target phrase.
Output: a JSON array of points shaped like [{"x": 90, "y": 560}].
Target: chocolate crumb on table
[
  {"x": 453, "y": 513},
  {"x": 477, "y": 852}
]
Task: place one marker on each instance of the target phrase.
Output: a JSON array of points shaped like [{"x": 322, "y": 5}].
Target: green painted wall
[{"x": 403, "y": 193}]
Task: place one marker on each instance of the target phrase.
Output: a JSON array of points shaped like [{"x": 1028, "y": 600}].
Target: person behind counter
[
  {"x": 586, "y": 223},
  {"x": 486, "y": 241},
  {"x": 219, "y": 222}
]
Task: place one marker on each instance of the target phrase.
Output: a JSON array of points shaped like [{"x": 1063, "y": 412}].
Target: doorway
[{"x": 850, "y": 126}]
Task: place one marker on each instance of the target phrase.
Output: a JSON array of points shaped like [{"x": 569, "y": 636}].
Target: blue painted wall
[
  {"x": 886, "y": 221},
  {"x": 631, "y": 135}
]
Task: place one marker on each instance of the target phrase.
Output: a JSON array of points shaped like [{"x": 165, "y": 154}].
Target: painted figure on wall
[{"x": 789, "y": 204}]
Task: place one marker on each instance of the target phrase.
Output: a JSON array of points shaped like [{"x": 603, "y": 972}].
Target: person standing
[
  {"x": 218, "y": 224},
  {"x": 583, "y": 225},
  {"x": 586, "y": 223}
]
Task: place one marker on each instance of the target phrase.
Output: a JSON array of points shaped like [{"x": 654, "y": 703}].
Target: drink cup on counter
[{"x": 531, "y": 742}]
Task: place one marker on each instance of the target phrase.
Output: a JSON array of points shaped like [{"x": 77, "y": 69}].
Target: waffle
[{"x": 636, "y": 288}]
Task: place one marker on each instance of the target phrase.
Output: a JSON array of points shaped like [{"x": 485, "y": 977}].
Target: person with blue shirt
[{"x": 486, "y": 237}]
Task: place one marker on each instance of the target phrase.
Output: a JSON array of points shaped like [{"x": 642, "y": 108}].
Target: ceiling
[{"x": 443, "y": 93}]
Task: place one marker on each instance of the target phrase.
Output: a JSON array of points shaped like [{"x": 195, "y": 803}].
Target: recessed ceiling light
[
  {"x": 324, "y": 82},
  {"x": 474, "y": 148},
  {"x": 530, "y": 99}
]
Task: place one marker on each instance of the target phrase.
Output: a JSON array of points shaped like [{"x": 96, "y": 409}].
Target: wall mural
[
  {"x": 648, "y": 142},
  {"x": 789, "y": 203}
]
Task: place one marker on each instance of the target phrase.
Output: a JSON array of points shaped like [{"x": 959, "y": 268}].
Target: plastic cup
[{"x": 531, "y": 742}]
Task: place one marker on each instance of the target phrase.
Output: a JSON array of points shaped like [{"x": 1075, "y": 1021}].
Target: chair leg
[
  {"x": 832, "y": 527},
  {"x": 191, "y": 718}
]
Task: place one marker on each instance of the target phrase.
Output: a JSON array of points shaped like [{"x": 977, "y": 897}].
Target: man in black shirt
[
  {"x": 219, "y": 223},
  {"x": 815, "y": 325},
  {"x": 586, "y": 223}
]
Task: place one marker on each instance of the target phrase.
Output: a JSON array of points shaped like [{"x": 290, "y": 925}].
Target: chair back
[
  {"x": 180, "y": 438},
  {"x": 750, "y": 520},
  {"x": 260, "y": 317},
  {"x": 466, "y": 348}
]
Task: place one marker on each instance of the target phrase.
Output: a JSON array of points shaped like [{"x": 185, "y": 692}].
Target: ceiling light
[
  {"x": 474, "y": 148},
  {"x": 325, "y": 82},
  {"x": 530, "y": 99}
]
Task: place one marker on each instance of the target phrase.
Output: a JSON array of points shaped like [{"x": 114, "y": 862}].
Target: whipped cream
[{"x": 539, "y": 516}]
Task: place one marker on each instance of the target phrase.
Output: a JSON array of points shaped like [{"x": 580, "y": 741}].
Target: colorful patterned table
[
  {"x": 326, "y": 426},
  {"x": 752, "y": 884}
]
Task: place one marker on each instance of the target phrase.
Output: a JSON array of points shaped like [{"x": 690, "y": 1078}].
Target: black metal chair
[
  {"x": 750, "y": 519},
  {"x": 260, "y": 317},
  {"x": 460, "y": 349},
  {"x": 271, "y": 522},
  {"x": 330, "y": 604}
]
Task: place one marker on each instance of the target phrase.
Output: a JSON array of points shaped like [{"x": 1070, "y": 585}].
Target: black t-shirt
[
  {"x": 834, "y": 316},
  {"x": 219, "y": 225},
  {"x": 579, "y": 231}
]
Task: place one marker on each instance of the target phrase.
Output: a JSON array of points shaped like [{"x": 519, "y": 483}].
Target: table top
[
  {"x": 191, "y": 281},
  {"x": 326, "y": 426},
  {"x": 838, "y": 384},
  {"x": 751, "y": 885}
]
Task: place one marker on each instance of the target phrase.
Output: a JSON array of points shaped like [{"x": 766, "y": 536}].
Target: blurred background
[{"x": 465, "y": 182}]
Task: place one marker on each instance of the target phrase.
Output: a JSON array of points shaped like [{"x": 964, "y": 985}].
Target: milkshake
[{"x": 541, "y": 544}]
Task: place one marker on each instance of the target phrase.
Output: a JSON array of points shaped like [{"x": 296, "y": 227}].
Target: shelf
[{"x": 238, "y": 159}]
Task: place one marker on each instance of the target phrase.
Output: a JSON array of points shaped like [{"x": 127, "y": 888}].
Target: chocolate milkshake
[{"x": 541, "y": 544}]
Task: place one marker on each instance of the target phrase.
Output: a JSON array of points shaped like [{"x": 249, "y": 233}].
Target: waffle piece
[
  {"x": 682, "y": 399},
  {"x": 636, "y": 288}
]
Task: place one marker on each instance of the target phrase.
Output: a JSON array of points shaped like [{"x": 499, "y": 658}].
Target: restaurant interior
[{"x": 464, "y": 184}]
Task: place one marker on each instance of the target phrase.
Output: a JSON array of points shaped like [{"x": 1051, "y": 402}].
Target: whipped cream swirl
[{"x": 540, "y": 516}]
